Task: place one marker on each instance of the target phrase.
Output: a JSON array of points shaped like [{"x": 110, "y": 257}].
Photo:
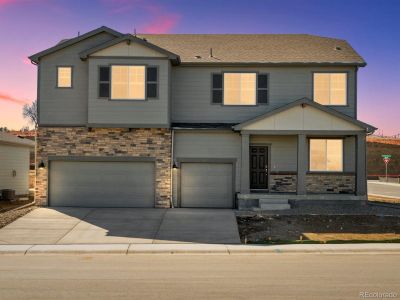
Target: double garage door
[
  {"x": 132, "y": 184},
  {"x": 102, "y": 183}
]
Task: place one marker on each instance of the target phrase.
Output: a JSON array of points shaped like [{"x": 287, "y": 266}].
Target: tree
[
  {"x": 4, "y": 129},
  {"x": 30, "y": 112}
]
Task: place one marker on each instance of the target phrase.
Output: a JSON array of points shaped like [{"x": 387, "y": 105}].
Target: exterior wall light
[
  {"x": 41, "y": 165},
  {"x": 174, "y": 166}
]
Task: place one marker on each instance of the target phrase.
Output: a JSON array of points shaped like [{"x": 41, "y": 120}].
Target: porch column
[
  {"x": 361, "y": 154},
  {"x": 245, "y": 167},
  {"x": 301, "y": 164}
]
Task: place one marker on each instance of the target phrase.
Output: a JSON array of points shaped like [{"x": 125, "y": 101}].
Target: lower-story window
[{"x": 326, "y": 155}]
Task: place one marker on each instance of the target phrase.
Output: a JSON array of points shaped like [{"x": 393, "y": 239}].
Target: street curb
[
  {"x": 384, "y": 204},
  {"x": 213, "y": 249}
]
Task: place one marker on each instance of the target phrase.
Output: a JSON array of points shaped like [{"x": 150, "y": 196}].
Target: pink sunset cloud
[
  {"x": 161, "y": 21},
  {"x": 162, "y": 24},
  {"x": 10, "y": 99},
  {"x": 26, "y": 61},
  {"x": 4, "y": 2}
]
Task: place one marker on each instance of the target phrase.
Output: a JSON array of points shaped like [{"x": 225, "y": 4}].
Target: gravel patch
[{"x": 11, "y": 215}]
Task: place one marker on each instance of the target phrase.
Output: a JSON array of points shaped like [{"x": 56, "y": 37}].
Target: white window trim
[
  {"x": 129, "y": 99},
  {"x": 346, "y": 92}
]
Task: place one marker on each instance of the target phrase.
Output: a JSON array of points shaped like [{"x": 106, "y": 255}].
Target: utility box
[{"x": 8, "y": 195}]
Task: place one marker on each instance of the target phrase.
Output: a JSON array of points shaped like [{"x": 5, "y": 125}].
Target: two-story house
[{"x": 198, "y": 120}]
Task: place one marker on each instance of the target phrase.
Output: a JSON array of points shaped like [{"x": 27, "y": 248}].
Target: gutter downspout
[{"x": 171, "y": 166}]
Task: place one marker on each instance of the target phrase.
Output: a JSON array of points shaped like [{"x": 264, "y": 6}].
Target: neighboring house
[
  {"x": 199, "y": 120},
  {"x": 14, "y": 163},
  {"x": 30, "y": 135}
]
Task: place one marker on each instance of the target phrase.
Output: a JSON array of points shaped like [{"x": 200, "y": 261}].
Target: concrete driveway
[{"x": 67, "y": 225}]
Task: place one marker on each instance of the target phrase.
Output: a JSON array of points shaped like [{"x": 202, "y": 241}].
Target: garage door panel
[
  {"x": 102, "y": 184},
  {"x": 206, "y": 185}
]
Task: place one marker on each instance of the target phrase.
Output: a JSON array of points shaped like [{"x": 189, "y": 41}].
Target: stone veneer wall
[
  {"x": 284, "y": 183},
  {"x": 330, "y": 183},
  {"x": 79, "y": 141}
]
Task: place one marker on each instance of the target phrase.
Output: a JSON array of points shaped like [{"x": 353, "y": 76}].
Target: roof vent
[
  {"x": 338, "y": 48},
  {"x": 197, "y": 56}
]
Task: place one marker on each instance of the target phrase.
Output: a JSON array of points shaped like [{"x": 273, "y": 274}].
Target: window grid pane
[
  {"x": 317, "y": 155},
  {"x": 64, "y": 75},
  {"x": 334, "y": 155},
  {"x": 128, "y": 82},
  {"x": 338, "y": 89},
  {"x": 330, "y": 88},
  {"x": 240, "y": 88},
  {"x": 326, "y": 155}
]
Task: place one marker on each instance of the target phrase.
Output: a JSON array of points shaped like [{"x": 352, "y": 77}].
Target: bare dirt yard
[{"x": 283, "y": 229}]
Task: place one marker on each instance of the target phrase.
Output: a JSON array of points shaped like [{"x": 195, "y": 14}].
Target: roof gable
[
  {"x": 124, "y": 46},
  {"x": 35, "y": 57},
  {"x": 304, "y": 114}
]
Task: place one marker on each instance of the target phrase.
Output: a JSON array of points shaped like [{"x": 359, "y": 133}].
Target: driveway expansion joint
[{"x": 77, "y": 223}]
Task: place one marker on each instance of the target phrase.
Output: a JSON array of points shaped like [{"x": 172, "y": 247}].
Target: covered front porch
[{"x": 302, "y": 151}]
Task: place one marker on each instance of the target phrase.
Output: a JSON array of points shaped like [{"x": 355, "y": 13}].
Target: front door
[{"x": 258, "y": 167}]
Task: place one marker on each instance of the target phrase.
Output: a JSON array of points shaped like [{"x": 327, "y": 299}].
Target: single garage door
[
  {"x": 101, "y": 184},
  {"x": 207, "y": 185}
]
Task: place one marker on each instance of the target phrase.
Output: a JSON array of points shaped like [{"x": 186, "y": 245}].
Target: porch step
[
  {"x": 273, "y": 201},
  {"x": 274, "y": 204}
]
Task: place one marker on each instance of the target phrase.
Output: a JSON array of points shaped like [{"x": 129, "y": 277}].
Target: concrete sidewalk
[
  {"x": 383, "y": 189},
  {"x": 136, "y": 249}
]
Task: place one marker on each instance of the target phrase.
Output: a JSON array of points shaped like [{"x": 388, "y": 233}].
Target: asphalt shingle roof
[{"x": 256, "y": 48}]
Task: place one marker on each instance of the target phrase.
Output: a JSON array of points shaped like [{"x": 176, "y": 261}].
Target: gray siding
[
  {"x": 141, "y": 113},
  {"x": 191, "y": 92},
  {"x": 283, "y": 151},
  {"x": 14, "y": 158},
  {"x": 66, "y": 106}
]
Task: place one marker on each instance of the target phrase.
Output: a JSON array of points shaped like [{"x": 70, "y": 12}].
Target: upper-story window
[
  {"x": 326, "y": 155},
  {"x": 330, "y": 88},
  {"x": 237, "y": 88},
  {"x": 64, "y": 77},
  {"x": 240, "y": 88},
  {"x": 127, "y": 82}
]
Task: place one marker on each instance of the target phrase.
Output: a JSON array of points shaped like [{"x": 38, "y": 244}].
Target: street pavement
[
  {"x": 275, "y": 276},
  {"x": 378, "y": 188}
]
